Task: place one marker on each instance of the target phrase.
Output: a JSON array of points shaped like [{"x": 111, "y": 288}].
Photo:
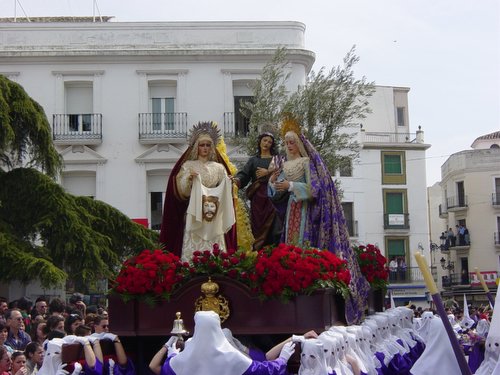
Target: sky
[{"x": 446, "y": 51}]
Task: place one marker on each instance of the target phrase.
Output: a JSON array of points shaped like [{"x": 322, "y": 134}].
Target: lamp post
[{"x": 450, "y": 266}]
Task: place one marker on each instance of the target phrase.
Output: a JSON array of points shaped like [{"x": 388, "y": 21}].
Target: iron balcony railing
[
  {"x": 77, "y": 127},
  {"x": 454, "y": 279},
  {"x": 495, "y": 199},
  {"x": 162, "y": 125},
  {"x": 381, "y": 137},
  {"x": 396, "y": 221},
  {"x": 409, "y": 275},
  {"x": 235, "y": 126},
  {"x": 456, "y": 202}
]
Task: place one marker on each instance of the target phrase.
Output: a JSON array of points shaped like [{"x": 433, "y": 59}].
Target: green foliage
[
  {"x": 75, "y": 235},
  {"x": 25, "y": 133},
  {"x": 326, "y": 106},
  {"x": 269, "y": 97}
]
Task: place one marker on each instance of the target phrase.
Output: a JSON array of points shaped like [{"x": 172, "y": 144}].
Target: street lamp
[
  {"x": 442, "y": 246},
  {"x": 450, "y": 266}
]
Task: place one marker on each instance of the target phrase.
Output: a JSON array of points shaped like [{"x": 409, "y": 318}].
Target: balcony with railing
[
  {"x": 235, "y": 126},
  {"x": 162, "y": 127},
  {"x": 456, "y": 203},
  {"x": 456, "y": 279},
  {"x": 396, "y": 221},
  {"x": 72, "y": 129},
  {"x": 409, "y": 275},
  {"x": 495, "y": 200},
  {"x": 385, "y": 137}
]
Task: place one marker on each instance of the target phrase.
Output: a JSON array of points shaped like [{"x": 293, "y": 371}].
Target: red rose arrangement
[
  {"x": 286, "y": 271},
  {"x": 373, "y": 265},
  {"x": 231, "y": 263},
  {"x": 152, "y": 274},
  {"x": 281, "y": 272}
]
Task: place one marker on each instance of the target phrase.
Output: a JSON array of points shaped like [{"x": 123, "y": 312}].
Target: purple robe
[
  {"x": 97, "y": 370},
  {"x": 326, "y": 228},
  {"x": 476, "y": 357},
  {"x": 276, "y": 367}
]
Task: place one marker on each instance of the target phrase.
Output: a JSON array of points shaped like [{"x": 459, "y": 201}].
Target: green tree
[
  {"x": 327, "y": 105},
  {"x": 46, "y": 233}
]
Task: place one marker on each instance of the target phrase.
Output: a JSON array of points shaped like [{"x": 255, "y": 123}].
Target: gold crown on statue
[
  {"x": 207, "y": 127},
  {"x": 290, "y": 123}
]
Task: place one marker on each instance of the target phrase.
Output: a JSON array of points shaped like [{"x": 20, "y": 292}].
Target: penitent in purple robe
[{"x": 276, "y": 367}]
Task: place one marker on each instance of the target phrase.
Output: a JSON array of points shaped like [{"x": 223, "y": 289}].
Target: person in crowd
[
  {"x": 24, "y": 305},
  {"x": 209, "y": 352},
  {"x": 90, "y": 321},
  {"x": 18, "y": 360},
  {"x": 264, "y": 218},
  {"x": 313, "y": 359},
  {"x": 438, "y": 356},
  {"x": 71, "y": 322},
  {"x": 34, "y": 357},
  {"x": 57, "y": 307},
  {"x": 39, "y": 311},
  {"x": 393, "y": 269},
  {"x": 54, "y": 323},
  {"x": 450, "y": 237},
  {"x": 4, "y": 332},
  {"x": 37, "y": 332},
  {"x": 101, "y": 324},
  {"x": 200, "y": 191},
  {"x": 76, "y": 305},
  {"x": 273, "y": 353},
  {"x": 17, "y": 339},
  {"x": 5, "y": 361},
  {"x": 4, "y": 306},
  {"x": 83, "y": 330}
]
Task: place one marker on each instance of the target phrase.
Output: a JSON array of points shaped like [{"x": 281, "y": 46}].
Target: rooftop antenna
[
  {"x": 94, "y": 7},
  {"x": 15, "y": 10}
]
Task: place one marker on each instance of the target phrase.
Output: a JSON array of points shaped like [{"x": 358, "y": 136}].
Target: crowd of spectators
[{"x": 30, "y": 329}]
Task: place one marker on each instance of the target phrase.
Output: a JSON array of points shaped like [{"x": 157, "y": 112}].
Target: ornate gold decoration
[
  {"x": 212, "y": 302},
  {"x": 290, "y": 123},
  {"x": 209, "y": 127}
]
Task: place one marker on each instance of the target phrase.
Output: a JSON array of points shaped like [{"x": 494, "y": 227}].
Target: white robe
[{"x": 200, "y": 234}]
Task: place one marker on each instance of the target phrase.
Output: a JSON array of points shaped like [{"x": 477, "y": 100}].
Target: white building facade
[
  {"x": 470, "y": 198},
  {"x": 385, "y": 197}
]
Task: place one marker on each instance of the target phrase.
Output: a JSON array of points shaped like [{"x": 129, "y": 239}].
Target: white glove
[
  {"x": 172, "y": 350},
  {"x": 111, "y": 366},
  {"x": 70, "y": 339},
  {"x": 82, "y": 340},
  {"x": 298, "y": 338},
  {"x": 93, "y": 338},
  {"x": 60, "y": 369},
  {"x": 99, "y": 336},
  {"x": 78, "y": 369},
  {"x": 109, "y": 336},
  {"x": 287, "y": 351},
  {"x": 171, "y": 341}
]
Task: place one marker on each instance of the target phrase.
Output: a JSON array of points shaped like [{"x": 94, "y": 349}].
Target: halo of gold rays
[
  {"x": 207, "y": 127},
  {"x": 289, "y": 123}
]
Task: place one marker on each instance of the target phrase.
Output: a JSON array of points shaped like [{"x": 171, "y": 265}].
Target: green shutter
[
  {"x": 396, "y": 248},
  {"x": 392, "y": 164},
  {"x": 394, "y": 203}
]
